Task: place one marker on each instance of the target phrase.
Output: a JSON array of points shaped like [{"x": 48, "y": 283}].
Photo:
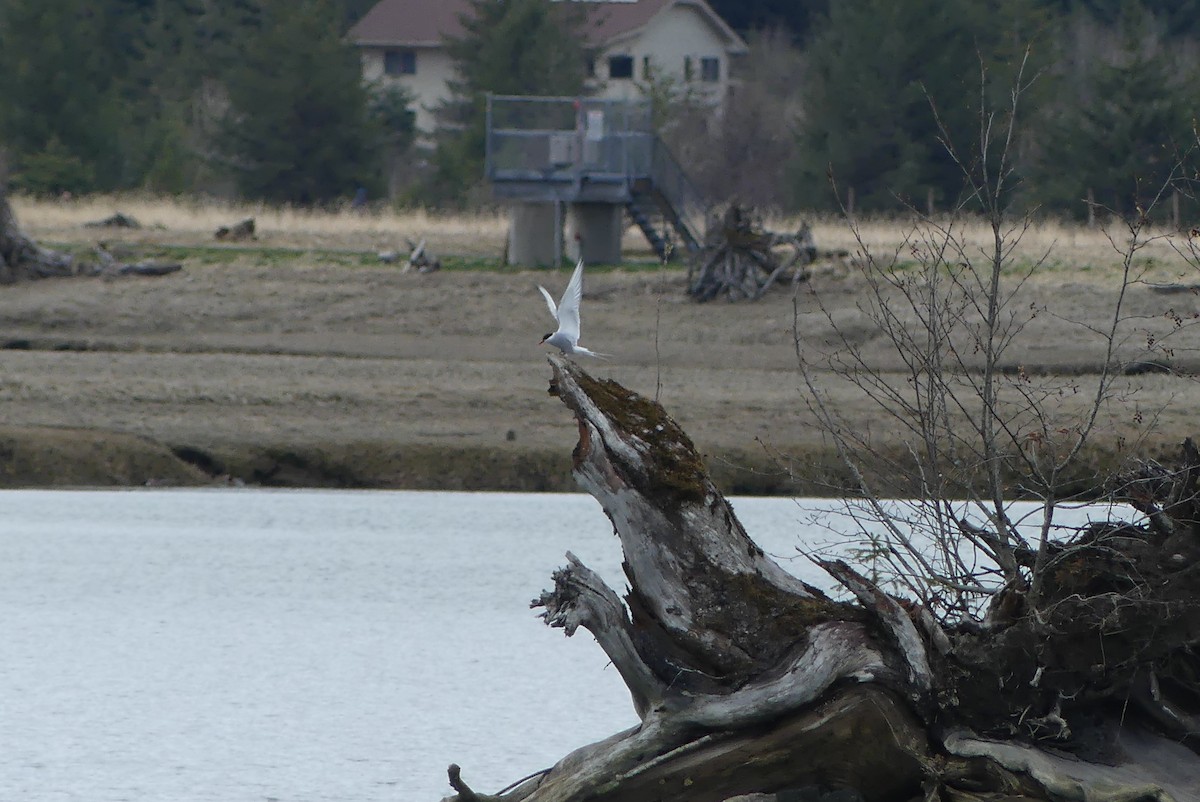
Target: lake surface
[{"x": 248, "y": 645}]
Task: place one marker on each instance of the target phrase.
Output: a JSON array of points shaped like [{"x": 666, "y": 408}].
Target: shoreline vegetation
[{"x": 300, "y": 359}]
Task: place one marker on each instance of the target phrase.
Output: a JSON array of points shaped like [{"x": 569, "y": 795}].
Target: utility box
[{"x": 562, "y": 150}]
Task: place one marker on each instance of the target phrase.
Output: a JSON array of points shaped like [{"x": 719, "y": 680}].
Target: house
[{"x": 401, "y": 43}]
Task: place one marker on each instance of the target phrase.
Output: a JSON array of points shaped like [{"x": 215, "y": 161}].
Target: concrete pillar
[
  {"x": 594, "y": 232},
  {"x": 532, "y": 238}
]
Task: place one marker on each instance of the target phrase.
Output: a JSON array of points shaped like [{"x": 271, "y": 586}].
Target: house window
[
  {"x": 646, "y": 68},
  {"x": 687, "y": 68},
  {"x": 591, "y": 67},
  {"x": 710, "y": 69},
  {"x": 400, "y": 62},
  {"x": 620, "y": 67}
]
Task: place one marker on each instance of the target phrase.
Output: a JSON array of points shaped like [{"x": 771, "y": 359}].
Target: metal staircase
[
  {"x": 646, "y": 214},
  {"x": 593, "y": 151},
  {"x": 666, "y": 206}
]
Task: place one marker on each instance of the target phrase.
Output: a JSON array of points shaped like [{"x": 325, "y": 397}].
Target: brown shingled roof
[
  {"x": 409, "y": 22},
  {"x": 427, "y": 22},
  {"x": 612, "y": 20}
]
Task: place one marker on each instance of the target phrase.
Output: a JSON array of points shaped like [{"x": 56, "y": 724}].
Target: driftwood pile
[
  {"x": 236, "y": 233},
  {"x": 115, "y": 220},
  {"x": 420, "y": 258},
  {"x": 749, "y": 681},
  {"x": 740, "y": 258},
  {"x": 23, "y": 259}
]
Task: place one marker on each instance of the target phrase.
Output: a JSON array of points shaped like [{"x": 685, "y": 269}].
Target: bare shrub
[
  {"x": 738, "y": 154},
  {"x": 966, "y": 426}
]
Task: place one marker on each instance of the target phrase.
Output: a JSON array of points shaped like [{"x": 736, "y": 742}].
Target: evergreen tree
[
  {"x": 508, "y": 47},
  {"x": 101, "y": 94},
  {"x": 1179, "y": 18},
  {"x": 354, "y": 10},
  {"x": 888, "y": 82},
  {"x": 298, "y": 129},
  {"x": 60, "y": 119},
  {"x": 1123, "y": 128},
  {"x": 391, "y": 111},
  {"x": 163, "y": 75},
  {"x": 176, "y": 91},
  {"x": 795, "y": 16}
]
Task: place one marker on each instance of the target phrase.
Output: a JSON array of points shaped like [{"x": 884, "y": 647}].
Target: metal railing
[
  {"x": 564, "y": 138},
  {"x": 680, "y": 193},
  {"x": 547, "y": 148}
]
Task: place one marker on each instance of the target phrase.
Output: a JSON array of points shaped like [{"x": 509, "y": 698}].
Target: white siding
[
  {"x": 427, "y": 84},
  {"x": 678, "y": 32}
]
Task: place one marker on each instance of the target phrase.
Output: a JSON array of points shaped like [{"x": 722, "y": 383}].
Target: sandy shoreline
[{"x": 298, "y": 372}]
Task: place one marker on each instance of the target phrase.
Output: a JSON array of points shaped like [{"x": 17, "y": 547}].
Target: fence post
[
  {"x": 487, "y": 138},
  {"x": 850, "y": 201},
  {"x": 558, "y": 233},
  {"x": 1091, "y": 208},
  {"x": 929, "y": 201},
  {"x": 1175, "y": 217}
]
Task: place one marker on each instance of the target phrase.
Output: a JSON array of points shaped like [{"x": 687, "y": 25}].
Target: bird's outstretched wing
[
  {"x": 549, "y": 301},
  {"x": 579, "y": 349},
  {"x": 568, "y": 307}
]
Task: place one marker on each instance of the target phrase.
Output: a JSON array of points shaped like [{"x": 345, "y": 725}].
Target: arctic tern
[{"x": 566, "y": 339}]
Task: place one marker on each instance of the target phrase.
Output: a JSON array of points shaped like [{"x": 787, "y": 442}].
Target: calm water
[{"x": 230, "y": 646}]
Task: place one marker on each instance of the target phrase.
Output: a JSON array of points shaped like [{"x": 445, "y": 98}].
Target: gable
[
  {"x": 621, "y": 22},
  {"x": 414, "y": 23},
  {"x": 681, "y": 27},
  {"x": 425, "y": 23}
]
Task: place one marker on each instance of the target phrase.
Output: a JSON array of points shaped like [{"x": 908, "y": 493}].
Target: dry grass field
[
  {"x": 193, "y": 221},
  {"x": 299, "y": 358}
]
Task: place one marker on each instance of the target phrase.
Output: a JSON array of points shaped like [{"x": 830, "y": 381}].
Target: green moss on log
[{"x": 674, "y": 467}]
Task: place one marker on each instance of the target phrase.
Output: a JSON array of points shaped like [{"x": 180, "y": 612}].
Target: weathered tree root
[
  {"x": 22, "y": 259},
  {"x": 748, "y": 680},
  {"x": 739, "y": 261}
]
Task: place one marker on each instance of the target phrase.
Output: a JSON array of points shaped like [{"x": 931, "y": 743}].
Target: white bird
[{"x": 566, "y": 339}]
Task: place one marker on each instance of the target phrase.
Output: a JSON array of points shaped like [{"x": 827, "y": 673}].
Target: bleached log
[
  {"x": 861, "y": 733},
  {"x": 149, "y": 269},
  {"x": 420, "y": 259},
  {"x": 580, "y": 598},
  {"x": 892, "y": 617},
  {"x": 21, "y": 258},
  {"x": 691, "y": 566},
  {"x": 749, "y": 681},
  {"x": 833, "y": 652},
  {"x": 1150, "y": 768}
]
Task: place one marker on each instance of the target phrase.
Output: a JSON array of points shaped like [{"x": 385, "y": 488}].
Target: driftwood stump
[
  {"x": 23, "y": 259},
  {"x": 237, "y": 233},
  {"x": 749, "y": 681},
  {"x": 115, "y": 220},
  {"x": 420, "y": 258},
  {"x": 740, "y": 260}
]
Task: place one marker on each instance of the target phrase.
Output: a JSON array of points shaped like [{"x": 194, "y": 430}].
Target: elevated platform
[{"x": 547, "y": 153}]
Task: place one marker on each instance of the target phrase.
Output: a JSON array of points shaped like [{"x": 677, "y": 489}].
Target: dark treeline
[
  {"x": 263, "y": 99},
  {"x": 256, "y": 97},
  {"x": 866, "y": 91},
  {"x": 1180, "y": 17}
]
